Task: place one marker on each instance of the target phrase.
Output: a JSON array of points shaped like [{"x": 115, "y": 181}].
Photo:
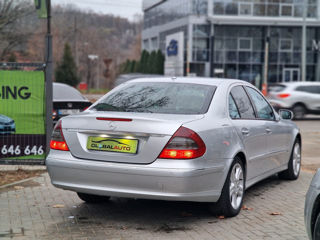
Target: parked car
[
  {"x": 67, "y": 100},
  {"x": 7, "y": 125},
  {"x": 312, "y": 208},
  {"x": 181, "y": 139},
  {"x": 300, "y": 97}
]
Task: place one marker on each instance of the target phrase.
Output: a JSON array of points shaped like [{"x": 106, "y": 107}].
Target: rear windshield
[
  {"x": 276, "y": 88},
  {"x": 170, "y": 98}
]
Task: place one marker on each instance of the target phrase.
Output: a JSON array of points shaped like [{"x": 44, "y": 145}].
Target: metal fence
[{"x": 23, "y": 115}]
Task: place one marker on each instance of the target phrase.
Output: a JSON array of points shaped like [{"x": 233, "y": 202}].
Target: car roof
[
  {"x": 65, "y": 93},
  {"x": 298, "y": 83},
  {"x": 194, "y": 80}
]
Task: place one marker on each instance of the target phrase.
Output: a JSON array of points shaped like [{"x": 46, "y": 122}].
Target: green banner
[
  {"x": 22, "y": 114},
  {"x": 41, "y": 6}
]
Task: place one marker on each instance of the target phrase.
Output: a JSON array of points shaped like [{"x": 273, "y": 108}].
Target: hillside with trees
[{"x": 87, "y": 33}]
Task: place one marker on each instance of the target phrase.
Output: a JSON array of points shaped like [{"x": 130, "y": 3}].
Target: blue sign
[{"x": 172, "y": 49}]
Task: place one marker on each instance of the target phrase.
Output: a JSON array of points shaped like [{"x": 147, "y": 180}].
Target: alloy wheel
[
  {"x": 236, "y": 188},
  {"x": 296, "y": 159}
]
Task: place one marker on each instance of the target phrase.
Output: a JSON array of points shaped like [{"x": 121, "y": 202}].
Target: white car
[{"x": 300, "y": 97}]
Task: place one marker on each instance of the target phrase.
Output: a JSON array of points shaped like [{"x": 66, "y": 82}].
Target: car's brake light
[
  {"x": 184, "y": 144},
  {"x": 114, "y": 119},
  {"x": 57, "y": 139},
  {"x": 283, "y": 95}
]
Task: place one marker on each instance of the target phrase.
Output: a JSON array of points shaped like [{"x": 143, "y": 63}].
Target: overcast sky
[{"x": 123, "y": 8}]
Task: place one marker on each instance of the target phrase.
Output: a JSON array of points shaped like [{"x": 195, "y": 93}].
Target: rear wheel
[
  {"x": 299, "y": 111},
  {"x": 294, "y": 165},
  {"x": 230, "y": 202},
  {"x": 316, "y": 232},
  {"x": 89, "y": 198}
]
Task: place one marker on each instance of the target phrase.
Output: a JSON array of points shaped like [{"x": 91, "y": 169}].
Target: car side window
[
  {"x": 233, "y": 110},
  {"x": 264, "y": 111},
  {"x": 309, "y": 89},
  {"x": 243, "y": 103}
]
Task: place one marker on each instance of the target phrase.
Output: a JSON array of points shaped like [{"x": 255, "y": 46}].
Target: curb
[{"x": 19, "y": 182}]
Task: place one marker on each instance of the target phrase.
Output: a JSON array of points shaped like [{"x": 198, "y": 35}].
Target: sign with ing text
[{"x": 22, "y": 114}]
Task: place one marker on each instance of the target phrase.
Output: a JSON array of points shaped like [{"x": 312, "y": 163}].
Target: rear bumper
[{"x": 160, "y": 180}]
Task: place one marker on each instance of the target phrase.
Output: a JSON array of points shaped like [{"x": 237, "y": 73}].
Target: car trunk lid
[{"x": 147, "y": 134}]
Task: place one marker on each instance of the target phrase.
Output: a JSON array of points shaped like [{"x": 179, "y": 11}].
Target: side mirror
[{"x": 285, "y": 114}]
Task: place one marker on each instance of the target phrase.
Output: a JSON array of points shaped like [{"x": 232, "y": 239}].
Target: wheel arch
[
  {"x": 243, "y": 159},
  {"x": 300, "y": 103},
  {"x": 315, "y": 213}
]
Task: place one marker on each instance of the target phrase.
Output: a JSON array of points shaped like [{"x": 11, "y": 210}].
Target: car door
[
  {"x": 310, "y": 96},
  {"x": 277, "y": 133},
  {"x": 250, "y": 130}
]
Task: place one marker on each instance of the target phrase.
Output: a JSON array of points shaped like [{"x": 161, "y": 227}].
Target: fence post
[{"x": 49, "y": 73}]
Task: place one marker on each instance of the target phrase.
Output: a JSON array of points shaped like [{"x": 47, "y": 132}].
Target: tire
[
  {"x": 316, "y": 231},
  {"x": 294, "y": 165},
  {"x": 89, "y": 198},
  {"x": 299, "y": 111},
  {"x": 225, "y": 206}
]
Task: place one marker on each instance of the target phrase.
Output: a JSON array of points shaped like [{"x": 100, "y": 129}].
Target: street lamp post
[
  {"x": 92, "y": 58},
  {"x": 304, "y": 42}
]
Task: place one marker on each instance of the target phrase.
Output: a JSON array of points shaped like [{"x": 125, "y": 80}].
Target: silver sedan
[{"x": 181, "y": 139}]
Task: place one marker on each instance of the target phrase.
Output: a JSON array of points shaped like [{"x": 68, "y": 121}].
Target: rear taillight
[
  {"x": 57, "y": 139},
  {"x": 184, "y": 144},
  {"x": 283, "y": 95}
]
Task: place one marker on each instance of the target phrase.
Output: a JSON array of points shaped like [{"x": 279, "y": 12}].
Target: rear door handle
[
  {"x": 268, "y": 130},
  {"x": 245, "y": 131}
]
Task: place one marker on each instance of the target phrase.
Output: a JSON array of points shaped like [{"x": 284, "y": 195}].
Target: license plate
[
  {"x": 113, "y": 144},
  {"x": 68, "y": 111}
]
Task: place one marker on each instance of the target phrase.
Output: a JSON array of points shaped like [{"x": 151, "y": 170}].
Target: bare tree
[{"x": 12, "y": 13}]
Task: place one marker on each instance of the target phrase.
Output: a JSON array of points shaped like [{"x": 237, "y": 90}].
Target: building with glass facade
[{"x": 229, "y": 38}]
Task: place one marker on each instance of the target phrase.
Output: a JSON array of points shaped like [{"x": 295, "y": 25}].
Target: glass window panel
[
  {"x": 312, "y": 11},
  {"x": 202, "y": 55},
  {"x": 273, "y": 74},
  {"x": 258, "y": 44},
  {"x": 273, "y": 10},
  {"x": 245, "y": 57},
  {"x": 264, "y": 111},
  {"x": 296, "y": 58},
  {"x": 285, "y": 57},
  {"x": 259, "y": 9},
  {"x": 245, "y": 9},
  {"x": 245, "y": 44},
  {"x": 218, "y": 8},
  {"x": 257, "y": 57},
  {"x": 169, "y": 98},
  {"x": 273, "y": 56},
  {"x": 231, "y": 56},
  {"x": 218, "y": 44},
  {"x": 231, "y": 44},
  {"x": 295, "y": 76},
  {"x": 298, "y": 10},
  {"x": 245, "y": 73},
  {"x": 233, "y": 110},
  {"x": 286, "y": 10},
  {"x": 286, "y": 45},
  {"x": 243, "y": 103},
  {"x": 231, "y": 9},
  {"x": 218, "y": 55},
  {"x": 231, "y": 71}
]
